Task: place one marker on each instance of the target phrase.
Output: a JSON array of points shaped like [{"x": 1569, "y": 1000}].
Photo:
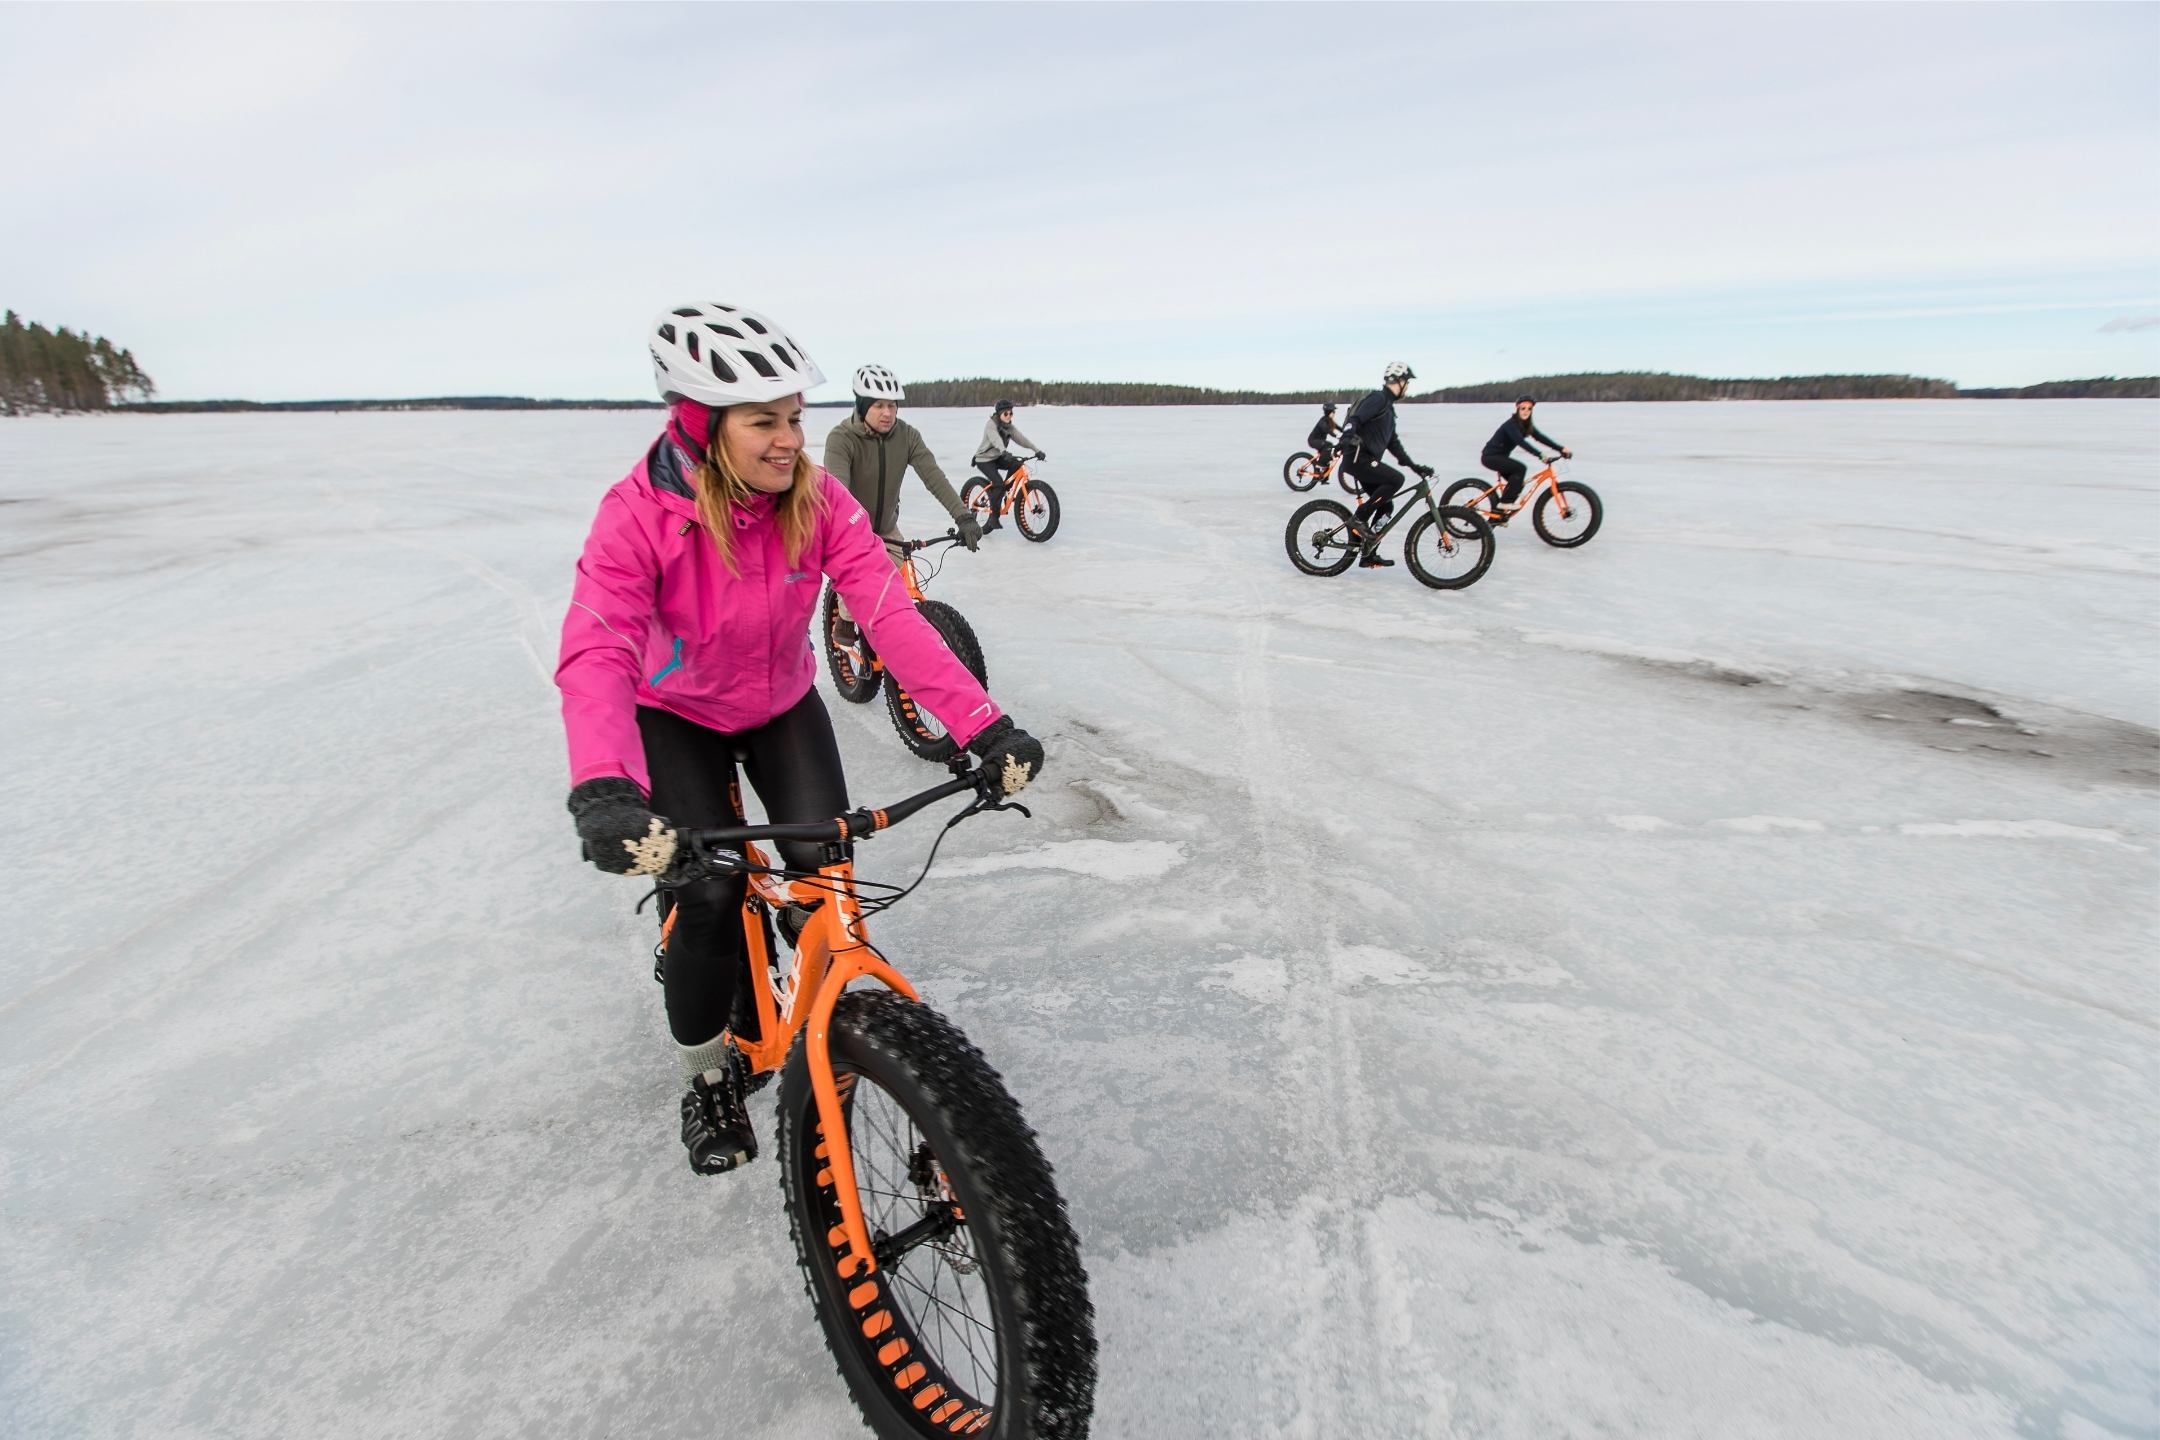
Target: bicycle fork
[{"x": 849, "y": 962}]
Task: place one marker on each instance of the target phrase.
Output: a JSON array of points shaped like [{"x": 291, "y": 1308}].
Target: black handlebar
[
  {"x": 857, "y": 824},
  {"x": 950, "y": 537}
]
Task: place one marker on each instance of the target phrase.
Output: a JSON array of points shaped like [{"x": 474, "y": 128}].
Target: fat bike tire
[
  {"x": 1315, "y": 538},
  {"x": 983, "y": 1326},
  {"x": 1037, "y": 515},
  {"x": 1572, "y": 531},
  {"x": 976, "y": 496},
  {"x": 1464, "y": 495},
  {"x": 1298, "y": 472},
  {"x": 1451, "y": 553},
  {"x": 921, "y": 731},
  {"x": 854, "y": 677}
]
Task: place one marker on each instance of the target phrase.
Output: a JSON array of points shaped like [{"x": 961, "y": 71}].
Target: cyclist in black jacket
[
  {"x": 1322, "y": 439},
  {"x": 1370, "y": 432},
  {"x": 1515, "y": 430}
]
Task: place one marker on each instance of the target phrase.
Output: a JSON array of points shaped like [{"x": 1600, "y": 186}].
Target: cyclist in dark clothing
[
  {"x": 1516, "y": 430},
  {"x": 1322, "y": 439},
  {"x": 1369, "y": 433}
]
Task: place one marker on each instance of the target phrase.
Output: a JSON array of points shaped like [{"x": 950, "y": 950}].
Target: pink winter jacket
[{"x": 656, "y": 619}]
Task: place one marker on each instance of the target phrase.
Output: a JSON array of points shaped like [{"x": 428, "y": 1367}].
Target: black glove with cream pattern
[
  {"x": 622, "y": 836},
  {"x": 1010, "y": 756}
]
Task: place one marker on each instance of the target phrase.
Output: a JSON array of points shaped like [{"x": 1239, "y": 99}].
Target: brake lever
[
  {"x": 986, "y": 800},
  {"x": 693, "y": 863}
]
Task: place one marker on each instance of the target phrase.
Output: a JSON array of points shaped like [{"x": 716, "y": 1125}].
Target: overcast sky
[{"x": 309, "y": 201}]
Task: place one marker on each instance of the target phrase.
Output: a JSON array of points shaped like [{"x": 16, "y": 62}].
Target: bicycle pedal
[{"x": 721, "y": 1164}]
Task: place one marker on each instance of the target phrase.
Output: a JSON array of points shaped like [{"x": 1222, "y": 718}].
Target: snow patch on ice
[
  {"x": 1263, "y": 979},
  {"x": 2018, "y": 830},
  {"x": 1131, "y": 805},
  {"x": 1050, "y": 1002},
  {"x": 1102, "y": 859},
  {"x": 1765, "y": 824},
  {"x": 1353, "y": 963},
  {"x": 1497, "y": 965},
  {"x": 1642, "y": 823}
]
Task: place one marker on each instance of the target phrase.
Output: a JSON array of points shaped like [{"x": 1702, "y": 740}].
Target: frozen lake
[{"x": 1701, "y": 984}]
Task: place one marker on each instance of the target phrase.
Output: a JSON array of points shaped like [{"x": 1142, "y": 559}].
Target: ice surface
[{"x": 1701, "y": 984}]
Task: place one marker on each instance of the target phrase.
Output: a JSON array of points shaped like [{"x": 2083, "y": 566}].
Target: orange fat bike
[
  {"x": 1565, "y": 513},
  {"x": 857, "y": 673},
  {"x": 1302, "y": 471},
  {"x": 933, "y": 1242},
  {"x": 1032, "y": 504}
]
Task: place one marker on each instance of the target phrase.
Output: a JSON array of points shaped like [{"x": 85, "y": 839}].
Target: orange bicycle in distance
[
  {"x": 1032, "y": 504},
  {"x": 933, "y": 1242},
  {"x": 1302, "y": 471},
  {"x": 1565, "y": 513}
]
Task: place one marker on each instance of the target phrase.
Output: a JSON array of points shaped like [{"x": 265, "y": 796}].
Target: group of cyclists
[
  {"x": 683, "y": 651},
  {"x": 1369, "y": 434}
]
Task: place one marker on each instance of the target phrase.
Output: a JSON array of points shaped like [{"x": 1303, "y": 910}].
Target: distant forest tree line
[
  {"x": 60, "y": 370},
  {"x": 1566, "y": 389},
  {"x": 1624, "y": 385},
  {"x": 43, "y": 370}
]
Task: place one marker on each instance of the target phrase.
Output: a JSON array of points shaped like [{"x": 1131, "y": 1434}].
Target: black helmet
[
  {"x": 1328, "y": 408},
  {"x": 1001, "y": 407},
  {"x": 1526, "y": 400}
]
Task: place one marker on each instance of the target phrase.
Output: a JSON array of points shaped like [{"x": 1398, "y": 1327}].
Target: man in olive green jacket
[{"x": 870, "y": 453}]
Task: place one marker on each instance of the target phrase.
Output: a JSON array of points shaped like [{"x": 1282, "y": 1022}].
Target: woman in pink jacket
[{"x": 687, "y": 649}]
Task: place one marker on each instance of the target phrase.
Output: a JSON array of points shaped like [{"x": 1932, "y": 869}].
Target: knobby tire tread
[
  {"x": 1050, "y": 525},
  {"x": 1465, "y": 527},
  {"x": 960, "y": 638},
  {"x": 1341, "y": 514},
  {"x": 864, "y": 687},
  {"x": 1575, "y": 488},
  {"x": 1016, "y": 1219}
]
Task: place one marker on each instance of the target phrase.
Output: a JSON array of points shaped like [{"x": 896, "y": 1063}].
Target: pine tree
[{"x": 62, "y": 370}]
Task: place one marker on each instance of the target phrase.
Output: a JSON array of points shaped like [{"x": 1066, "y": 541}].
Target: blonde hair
[{"x": 720, "y": 490}]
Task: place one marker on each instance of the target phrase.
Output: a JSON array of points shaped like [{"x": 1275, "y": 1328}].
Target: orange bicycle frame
[
  {"x": 832, "y": 951},
  {"x": 915, "y": 593},
  {"x": 1536, "y": 482},
  {"x": 1016, "y": 490}
]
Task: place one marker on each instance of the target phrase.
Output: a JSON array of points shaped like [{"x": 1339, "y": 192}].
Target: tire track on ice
[{"x": 1341, "y": 1327}]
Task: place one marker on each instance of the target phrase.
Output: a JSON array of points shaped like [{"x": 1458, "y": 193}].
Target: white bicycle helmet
[
  {"x": 875, "y": 382},
  {"x": 722, "y": 355},
  {"x": 1397, "y": 371}
]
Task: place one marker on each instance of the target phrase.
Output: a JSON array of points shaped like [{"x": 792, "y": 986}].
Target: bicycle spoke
[
  {"x": 930, "y": 1294},
  {"x": 968, "y": 1338}
]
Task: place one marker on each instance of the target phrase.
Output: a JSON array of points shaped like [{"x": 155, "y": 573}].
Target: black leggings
[
  {"x": 1508, "y": 469},
  {"x": 999, "y": 472},
  {"x": 794, "y": 765},
  {"x": 1379, "y": 482}
]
